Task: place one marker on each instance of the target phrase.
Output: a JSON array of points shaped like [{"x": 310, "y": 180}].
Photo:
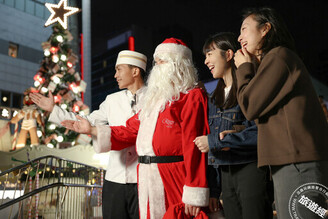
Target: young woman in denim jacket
[{"x": 232, "y": 143}]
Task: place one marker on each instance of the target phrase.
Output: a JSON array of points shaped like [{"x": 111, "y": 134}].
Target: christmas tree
[{"x": 58, "y": 75}]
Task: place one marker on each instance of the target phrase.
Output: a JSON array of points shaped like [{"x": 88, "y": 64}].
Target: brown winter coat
[{"x": 281, "y": 99}]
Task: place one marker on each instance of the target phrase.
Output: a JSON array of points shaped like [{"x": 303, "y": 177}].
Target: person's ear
[
  {"x": 266, "y": 28},
  {"x": 136, "y": 72},
  {"x": 229, "y": 55}
]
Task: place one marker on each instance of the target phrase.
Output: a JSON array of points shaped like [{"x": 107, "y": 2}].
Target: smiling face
[
  {"x": 124, "y": 75},
  {"x": 217, "y": 62},
  {"x": 251, "y": 35}
]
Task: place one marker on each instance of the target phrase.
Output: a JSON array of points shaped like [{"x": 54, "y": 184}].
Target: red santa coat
[{"x": 166, "y": 133}]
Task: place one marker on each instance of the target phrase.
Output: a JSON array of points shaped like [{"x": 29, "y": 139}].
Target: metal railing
[{"x": 51, "y": 187}]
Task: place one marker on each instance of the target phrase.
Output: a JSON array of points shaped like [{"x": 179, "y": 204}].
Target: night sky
[{"x": 194, "y": 20}]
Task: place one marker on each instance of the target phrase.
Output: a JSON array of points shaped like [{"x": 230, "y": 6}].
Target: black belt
[{"x": 159, "y": 159}]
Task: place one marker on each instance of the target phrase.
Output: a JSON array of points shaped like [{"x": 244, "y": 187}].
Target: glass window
[
  {"x": 39, "y": 10},
  {"x": 5, "y": 98},
  {"x": 20, "y": 5},
  {"x": 30, "y": 7},
  {"x": 9, "y": 2},
  {"x": 13, "y": 50},
  {"x": 17, "y": 101}
]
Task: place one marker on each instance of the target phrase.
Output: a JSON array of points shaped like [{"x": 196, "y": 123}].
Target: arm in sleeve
[
  {"x": 96, "y": 117},
  {"x": 213, "y": 140},
  {"x": 58, "y": 114},
  {"x": 261, "y": 92},
  {"x": 116, "y": 137},
  {"x": 246, "y": 139},
  {"x": 194, "y": 123}
]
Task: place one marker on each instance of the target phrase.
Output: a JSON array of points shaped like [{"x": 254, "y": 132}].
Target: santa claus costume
[{"x": 171, "y": 169}]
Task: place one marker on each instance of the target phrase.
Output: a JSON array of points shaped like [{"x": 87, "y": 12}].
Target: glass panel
[
  {"x": 39, "y": 10},
  {"x": 17, "y": 101},
  {"x": 13, "y": 50},
  {"x": 9, "y": 2},
  {"x": 30, "y": 7},
  {"x": 5, "y": 98},
  {"x": 20, "y": 5}
]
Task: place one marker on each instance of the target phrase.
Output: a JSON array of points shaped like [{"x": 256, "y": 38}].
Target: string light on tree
[
  {"x": 36, "y": 83},
  {"x": 44, "y": 90},
  {"x": 60, "y": 138},
  {"x": 60, "y": 13},
  {"x": 39, "y": 133},
  {"x": 47, "y": 52},
  {"x": 55, "y": 58},
  {"x": 57, "y": 98},
  {"x": 54, "y": 50},
  {"x": 74, "y": 87},
  {"x": 76, "y": 108},
  {"x": 39, "y": 78},
  {"x": 69, "y": 64},
  {"x": 63, "y": 80},
  {"x": 56, "y": 79},
  {"x": 52, "y": 126},
  {"x": 64, "y": 106},
  {"x": 63, "y": 58},
  {"x": 60, "y": 38}
]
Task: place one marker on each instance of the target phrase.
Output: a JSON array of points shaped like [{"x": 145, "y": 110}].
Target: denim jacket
[{"x": 243, "y": 144}]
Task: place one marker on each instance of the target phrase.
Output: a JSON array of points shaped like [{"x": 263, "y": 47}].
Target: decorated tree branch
[{"x": 58, "y": 75}]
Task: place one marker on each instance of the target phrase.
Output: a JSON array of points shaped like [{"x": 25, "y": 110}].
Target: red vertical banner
[
  {"x": 131, "y": 43},
  {"x": 81, "y": 65}
]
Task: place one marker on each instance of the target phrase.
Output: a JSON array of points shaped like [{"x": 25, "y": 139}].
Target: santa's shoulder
[{"x": 195, "y": 93}]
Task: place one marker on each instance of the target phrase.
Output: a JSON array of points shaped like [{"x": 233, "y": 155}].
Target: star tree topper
[{"x": 60, "y": 13}]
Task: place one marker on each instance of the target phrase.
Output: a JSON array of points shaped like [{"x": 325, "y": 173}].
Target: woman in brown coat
[{"x": 275, "y": 90}]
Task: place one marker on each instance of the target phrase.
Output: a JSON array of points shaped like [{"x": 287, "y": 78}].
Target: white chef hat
[{"x": 132, "y": 58}]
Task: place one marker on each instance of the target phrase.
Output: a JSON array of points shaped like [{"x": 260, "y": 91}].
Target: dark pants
[
  {"x": 120, "y": 201},
  {"x": 247, "y": 192}
]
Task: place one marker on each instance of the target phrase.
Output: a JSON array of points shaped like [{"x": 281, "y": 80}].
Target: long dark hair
[
  {"x": 278, "y": 35},
  {"x": 223, "y": 41}
]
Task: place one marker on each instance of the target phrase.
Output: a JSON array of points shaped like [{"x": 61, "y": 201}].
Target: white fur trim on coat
[
  {"x": 173, "y": 48},
  {"x": 196, "y": 196},
  {"x": 150, "y": 184},
  {"x": 102, "y": 142},
  {"x": 151, "y": 188}
]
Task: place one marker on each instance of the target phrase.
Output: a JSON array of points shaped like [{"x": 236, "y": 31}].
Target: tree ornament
[
  {"x": 30, "y": 116},
  {"x": 60, "y": 13}
]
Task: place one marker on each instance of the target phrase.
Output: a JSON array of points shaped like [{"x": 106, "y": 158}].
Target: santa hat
[
  {"x": 132, "y": 58},
  {"x": 173, "y": 45}
]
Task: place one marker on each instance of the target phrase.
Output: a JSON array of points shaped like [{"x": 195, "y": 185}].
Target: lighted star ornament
[{"x": 60, "y": 13}]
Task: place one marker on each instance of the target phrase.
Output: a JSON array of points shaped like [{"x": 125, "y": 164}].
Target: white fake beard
[{"x": 162, "y": 87}]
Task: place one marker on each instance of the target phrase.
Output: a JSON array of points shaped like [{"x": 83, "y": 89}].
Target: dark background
[{"x": 194, "y": 20}]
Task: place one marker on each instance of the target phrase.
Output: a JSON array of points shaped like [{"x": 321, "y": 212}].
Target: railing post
[
  {"x": 37, "y": 196},
  {"x": 30, "y": 199}
]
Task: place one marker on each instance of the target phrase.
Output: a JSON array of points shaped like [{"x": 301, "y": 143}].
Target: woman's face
[
  {"x": 251, "y": 36},
  {"x": 216, "y": 62}
]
